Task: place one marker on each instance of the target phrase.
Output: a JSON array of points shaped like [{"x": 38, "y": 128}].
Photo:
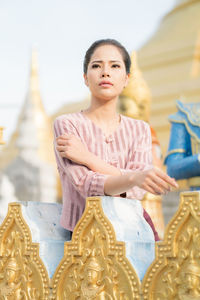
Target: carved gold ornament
[
  {"x": 94, "y": 265},
  {"x": 22, "y": 273},
  {"x": 175, "y": 273}
]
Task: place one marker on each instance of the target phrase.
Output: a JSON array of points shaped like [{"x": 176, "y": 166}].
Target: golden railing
[{"x": 94, "y": 265}]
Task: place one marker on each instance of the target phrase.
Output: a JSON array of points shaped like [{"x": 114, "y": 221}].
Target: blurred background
[
  {"x": 61, "y": 32},
  {"x": 42, "y": 46}
]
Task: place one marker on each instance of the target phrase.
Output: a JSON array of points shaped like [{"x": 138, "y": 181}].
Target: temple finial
[{"x": 34, "y": 80}]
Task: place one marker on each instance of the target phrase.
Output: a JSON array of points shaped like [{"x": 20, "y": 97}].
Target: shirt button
[{"x": 109, "y": 140}]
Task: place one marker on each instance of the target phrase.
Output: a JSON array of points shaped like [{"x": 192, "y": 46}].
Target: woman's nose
[{"x": 105, "y": 72}]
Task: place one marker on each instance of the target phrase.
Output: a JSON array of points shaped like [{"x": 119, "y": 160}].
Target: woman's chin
[{"x": 106, "y": 96}]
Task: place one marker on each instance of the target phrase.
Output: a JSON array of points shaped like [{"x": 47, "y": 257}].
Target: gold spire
[
  {"x": 34, "y": 91},
  {"x": 137, "y": 91}
]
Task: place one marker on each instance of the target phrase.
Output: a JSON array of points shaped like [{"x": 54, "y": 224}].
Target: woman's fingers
[
  {"x": 166, "y": 178},
  {"x": 61, "y": 148},
  {"x": 158, "y": 182},
  {"x": 62, "y": 154},
  {"x": 154, "y": 186},
  {"x": 64, "y": 139},
  {"x": 61, "y": 142},
  {"x": 65, "y": 136},
  {"x": 161, "y": 183},
  {"x": 150, "y": 189}
]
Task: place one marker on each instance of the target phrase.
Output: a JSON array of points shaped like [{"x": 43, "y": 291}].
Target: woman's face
[{"x": 106, "y": 74}]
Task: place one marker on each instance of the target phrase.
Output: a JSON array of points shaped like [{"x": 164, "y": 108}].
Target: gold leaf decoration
[
  {"x": 175, "y": 273},
  {"x": 94, "y": 265},
  {"x": 22, "y": 273}
]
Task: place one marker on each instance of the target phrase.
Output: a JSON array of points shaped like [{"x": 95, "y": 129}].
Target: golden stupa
[
  {"x": 170, "y": 64},
  {"x": 41, "y": 121}
]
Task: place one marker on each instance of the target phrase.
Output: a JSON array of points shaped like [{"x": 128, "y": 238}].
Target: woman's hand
[
  {"x": 71, "y": 147},
  {"x": 154, "y": 181}
]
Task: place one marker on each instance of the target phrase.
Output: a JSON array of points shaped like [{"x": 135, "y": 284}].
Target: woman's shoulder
[
  {"x": 68, "y": 118},
  {"x": 135, "y": 122}
]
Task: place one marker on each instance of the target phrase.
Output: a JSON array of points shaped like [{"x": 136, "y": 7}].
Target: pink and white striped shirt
[{"x": 128, "y": 148}]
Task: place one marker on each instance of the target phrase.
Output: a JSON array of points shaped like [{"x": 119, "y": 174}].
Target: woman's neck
[
  {"x": 103, "y": 113},
  {"x": 102, "y": 110}
]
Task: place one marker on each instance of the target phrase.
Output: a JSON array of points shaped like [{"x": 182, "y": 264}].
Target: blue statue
[{"x": 183, "y": 156}]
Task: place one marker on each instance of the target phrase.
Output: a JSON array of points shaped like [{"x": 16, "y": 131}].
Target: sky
[{"x": 61, "y": 31}]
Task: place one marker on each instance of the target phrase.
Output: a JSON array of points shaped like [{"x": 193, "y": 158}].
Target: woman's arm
[
  {"x": 86, "y": 182},
  {"x": 71, "y": 147},
  {"x": 154, "y": 181}
]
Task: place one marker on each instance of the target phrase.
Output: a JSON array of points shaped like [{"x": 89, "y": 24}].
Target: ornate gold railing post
[
  {"x": 175, "y": 272},
  {"x": 94, "y": 265},
  {"x": 22, "y": 272},
  {"x": 1, "y": 136}
]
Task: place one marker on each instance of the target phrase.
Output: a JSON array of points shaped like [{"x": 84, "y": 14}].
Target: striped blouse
[{"x": 128, "y": 148}]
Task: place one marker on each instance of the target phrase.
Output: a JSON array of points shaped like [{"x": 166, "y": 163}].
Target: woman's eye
[
  {"x": 115, "y": 66},
  {"x": 95, "y": 66}
]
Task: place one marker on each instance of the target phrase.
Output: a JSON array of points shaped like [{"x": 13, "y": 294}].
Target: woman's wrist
[
  {"x": 131, "y": 178},
  {"x": 88, "y": 160}
]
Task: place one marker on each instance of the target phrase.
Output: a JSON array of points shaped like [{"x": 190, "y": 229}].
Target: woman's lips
[{"x": 106, "y": 83}]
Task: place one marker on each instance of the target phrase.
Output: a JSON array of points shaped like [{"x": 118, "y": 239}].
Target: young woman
[{"x": 98, "y": 151}]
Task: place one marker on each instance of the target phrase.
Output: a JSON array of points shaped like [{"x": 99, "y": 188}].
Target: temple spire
[
  {"x": 34, "y": 90},
  {"x": 33, "y": 122}
]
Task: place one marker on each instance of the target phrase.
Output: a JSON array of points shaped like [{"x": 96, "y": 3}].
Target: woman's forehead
[{"x": 107, "y": 53}]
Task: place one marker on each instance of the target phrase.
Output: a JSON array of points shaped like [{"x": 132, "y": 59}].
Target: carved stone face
[
  {"x": 10, "y": 275},
  {"x": 92, "y": 276}
]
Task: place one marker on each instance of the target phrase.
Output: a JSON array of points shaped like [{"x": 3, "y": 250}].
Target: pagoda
[
  {"x": 28, "y": 159},
  {"x": 170, "y": 63}
]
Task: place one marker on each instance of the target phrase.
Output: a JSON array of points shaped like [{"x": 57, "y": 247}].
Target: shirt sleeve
[
  {"x": 140, "y": 159},
  {"x": 85, "y": 181}
]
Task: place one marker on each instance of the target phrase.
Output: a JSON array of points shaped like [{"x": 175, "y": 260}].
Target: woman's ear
[
  {"x": 127, "y": 79},
  {"x": 85, "y": 79}
]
